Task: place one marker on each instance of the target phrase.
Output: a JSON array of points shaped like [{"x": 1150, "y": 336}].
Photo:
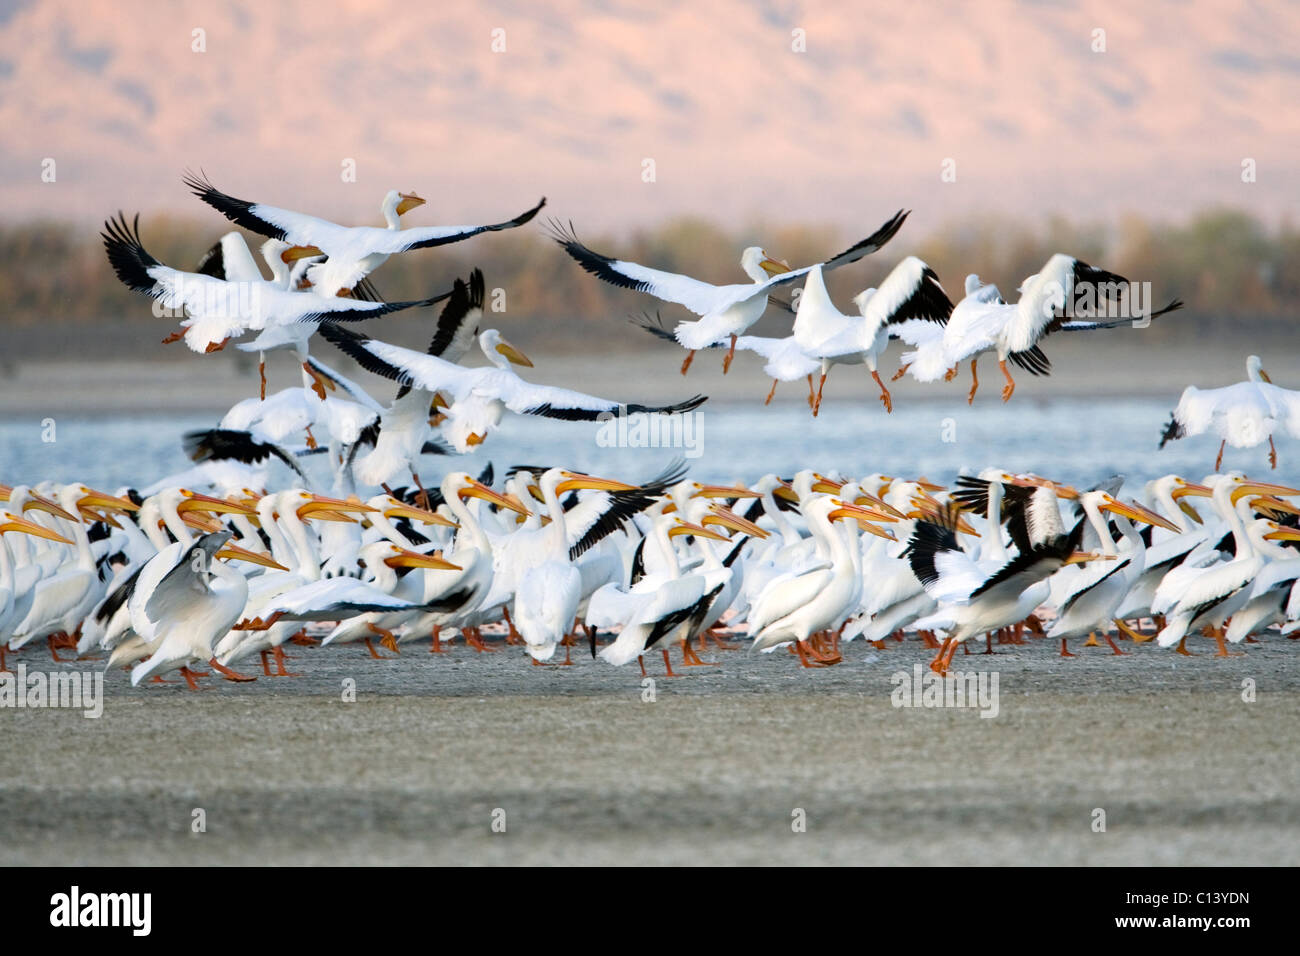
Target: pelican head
[
  {"x": 396, "y": 204},
  {"x": 1255, "y": 370},
  {"x": 759, "y": 266},
  {"x": 492, "y": 344}
]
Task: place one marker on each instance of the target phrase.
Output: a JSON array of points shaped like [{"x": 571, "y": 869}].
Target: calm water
[{"x": 1071, "y": 439}]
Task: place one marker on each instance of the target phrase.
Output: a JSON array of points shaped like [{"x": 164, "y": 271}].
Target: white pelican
[
  {"x": 973, "y": 601},
  {"x": 10, "y": 523},
  {"x": 792, "y": 608},
  {"x": 984, "y": 322},
  {"x": 725, "y": 311},
  {"x": 660, "y": 611},
  {"x": 62, "y": 600},
  {"x": 194, "y": 602},
  {"x": 465, "y": 592},
  {"x": 488, "y": 392},
  {"x": 1242, "y": 415},
  {"x": 352, "y": 253},
  {"x": 1094, "y": 596},
  {"x": 1272, "y": 587},
  {"x": 220, "y": 310},
  {"x": 822, "y": 336},
  {"x": 1213, "y": 594}
]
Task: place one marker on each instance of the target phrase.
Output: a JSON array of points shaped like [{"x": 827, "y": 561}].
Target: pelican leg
[
  {"x": 280, "y": 670},
  {"x": 668, "y": 665},
  {"x": 806, "y": 657},
  {"x": 1010, "y": 387},
  {"x": 317, "y": 383},
  {"x": 1182, "y": 648},
  {"x": 216, "y": 346},
  {"x": 1092, "y": 640},
  {"x": 228, "y": 674},
  {"x": 937, "y": 665},
  {"x": 4, "y": 668},
  {"x": 512, "y": 635},
  {"x": 974, "y": 380},
  {"x": 386, "y": 638},
  {"x": 174, "y": 337},
  {"x": 302, "y": 640},
  {"x": 902, "y": 370},
  {"x": 1272, "y": 454},
  {"x": 311, "y": 439},
  {"x": 1217, "y": 633},
  {"x": 731, "y": 354},
  {"x": 817, "y": 405},
  {"x": 771, "y": 392},
  {"x": 266, "y": 665},
  {"x": 371, "y": 648},
  {"x": 1065, "y": 651},
  {"x": 711, "y": 635},
  {"x": 641, "y": 661},
  {"x": 1218, "y": 462},
  {"x": 1113, "y": 646},
  {"x": 686, "y": 365},
  {"x": 261, "y": 371},
  {"x": 436, "y": 647},
  {"x": 474, "y": 638},
  {"x": 189, "y": 676},
  {"x": 885, "y": 397},
  {"x": 928, "y": 639},
  {"x": 54, "y": 642},
  {"x": 812, "y": 395},
  {"x": 424, "y": 495},
  {"x": 690, "y": 658},
  {"x": 988, "y": 643}
]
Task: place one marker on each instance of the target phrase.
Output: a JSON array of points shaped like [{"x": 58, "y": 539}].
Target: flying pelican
[
  {"x": 220, "y": 310},
  {"x": 725, "y": 311},
  {"x": 822, "y": 336},
  {"x": 352, "y": 253},
  {"x": 984, "y": 322},
  {"x": 487, "y": 391},
  {"x": 1242, "y": 415}
]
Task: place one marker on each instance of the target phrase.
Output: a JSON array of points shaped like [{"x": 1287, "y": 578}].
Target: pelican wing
[
  {"x": 786, "y": 595},
  {"x": 333, "y": 599},
  {"x": 911, "y": 291},
  {"x": 305, "y": 230},
  {"x": 187, "y": 581},
  {"x": 599, "y": 514},
  {"x": 238, "y": 306},
  {"x": 703, "y": 298},
  {"x": 458, "y": 324}
]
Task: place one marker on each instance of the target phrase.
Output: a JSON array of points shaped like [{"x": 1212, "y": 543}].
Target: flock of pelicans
[
  {"x": 211, "y": 566},
  {"x": 807, "y": 563}
]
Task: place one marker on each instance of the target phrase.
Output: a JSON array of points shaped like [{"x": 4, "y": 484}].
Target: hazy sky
[{"x": 1014, "y": 98}]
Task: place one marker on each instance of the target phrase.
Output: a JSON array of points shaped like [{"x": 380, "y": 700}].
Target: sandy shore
[{"x": 710, "y": 772}]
